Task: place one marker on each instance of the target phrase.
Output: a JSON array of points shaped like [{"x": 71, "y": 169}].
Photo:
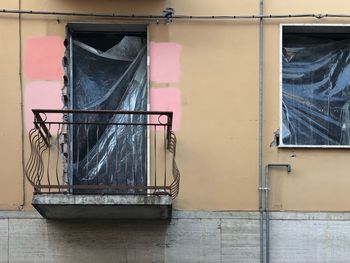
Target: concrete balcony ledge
[{"x": 67, "y": 206}]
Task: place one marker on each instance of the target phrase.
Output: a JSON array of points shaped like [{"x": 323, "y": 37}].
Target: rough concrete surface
[
  {"x": 64, "y": 206},
  {"x": 188, "y": 237},
  {"x": 4, "y": 240}
]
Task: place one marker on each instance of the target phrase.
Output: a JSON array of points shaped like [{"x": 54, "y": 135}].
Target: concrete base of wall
[{"x": 188, "y": 237}]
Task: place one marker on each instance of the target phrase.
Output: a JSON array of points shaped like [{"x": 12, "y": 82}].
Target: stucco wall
[{"x": 218, "y": 82}]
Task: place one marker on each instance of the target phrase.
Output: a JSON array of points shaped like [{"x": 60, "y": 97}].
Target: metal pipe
[
  {"x": 261, "y": 57},
  {"x": 20, "y": 73},
  {"x": 267, "y": 214},
  {"x": 172, "y": 18}
]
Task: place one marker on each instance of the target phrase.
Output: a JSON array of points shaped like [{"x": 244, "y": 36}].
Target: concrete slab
[
  {"x": 63, "y": 206},
  {"x": 193, "y": 240},
  {"x": 240, "y": 240},
  {"x": 4, "y": 238},
  {"x": 193, "y": 236},
  {"x": 86, "y": 241}
]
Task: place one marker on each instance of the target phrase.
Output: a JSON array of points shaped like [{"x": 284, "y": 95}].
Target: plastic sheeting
[
  {"x": 111, "y": 80},
  {"x": 315, "y": 91}
]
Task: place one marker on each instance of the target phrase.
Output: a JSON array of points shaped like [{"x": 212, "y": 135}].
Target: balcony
[{"x": 103, "y": 164}]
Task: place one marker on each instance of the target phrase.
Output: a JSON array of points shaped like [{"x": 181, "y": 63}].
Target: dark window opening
[
  {"x": 108, "y": 71},
  {"x": 315, "y": 86}
]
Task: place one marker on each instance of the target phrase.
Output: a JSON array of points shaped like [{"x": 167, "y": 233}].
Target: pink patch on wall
[
  {"x": 43, "y": 58},
  {"x": 42, "y": 95},
  {"x": 165, "y": 62},
  {"x": 167, "y": 99}
]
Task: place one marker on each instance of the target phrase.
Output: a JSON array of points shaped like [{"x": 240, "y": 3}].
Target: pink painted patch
[
  {"x": 42, "y": 95},
  {"x": 43, "y": 58},
  {"x": 167, "y": 99},
  {"x": 165, "y": 62}
]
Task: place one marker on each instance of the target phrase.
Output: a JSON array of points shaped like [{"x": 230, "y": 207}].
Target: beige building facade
[{"x": 210, "y": 80}]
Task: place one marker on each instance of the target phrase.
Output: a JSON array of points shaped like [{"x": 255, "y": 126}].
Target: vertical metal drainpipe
[
  {"x": 261, "y": 38},
  {"x": 267, "y": 209},
  {"x": 21, "y": 206}
]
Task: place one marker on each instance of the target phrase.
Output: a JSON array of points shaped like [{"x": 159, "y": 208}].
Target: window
[
  {"x": 315, "y": 86},
  {"x": 107, "y": 71}
]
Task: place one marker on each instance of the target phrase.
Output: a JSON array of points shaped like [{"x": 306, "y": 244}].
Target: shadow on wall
[{"x": 104, "y": 241}]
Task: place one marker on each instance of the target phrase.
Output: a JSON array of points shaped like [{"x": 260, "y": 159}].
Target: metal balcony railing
[{"x": 103, "y": 152}]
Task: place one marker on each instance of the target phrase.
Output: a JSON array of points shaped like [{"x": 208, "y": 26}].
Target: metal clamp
[{"x": 168, "y": 13}]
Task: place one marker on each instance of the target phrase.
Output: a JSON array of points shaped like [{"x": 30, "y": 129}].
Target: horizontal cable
[{"x": 171, "y": 18}]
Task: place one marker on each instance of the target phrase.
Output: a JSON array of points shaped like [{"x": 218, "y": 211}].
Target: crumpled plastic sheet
[
  {"x": 315, "y": 91},
  {"x": 111, "y": 80}
]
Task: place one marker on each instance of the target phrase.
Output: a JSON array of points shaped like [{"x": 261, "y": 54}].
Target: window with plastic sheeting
[
  {"x": 107, "y": 71},
  {"x": 315, "y": 86}
]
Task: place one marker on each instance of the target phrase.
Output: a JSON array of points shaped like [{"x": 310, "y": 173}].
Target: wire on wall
[{"x": 173, "y": 16}]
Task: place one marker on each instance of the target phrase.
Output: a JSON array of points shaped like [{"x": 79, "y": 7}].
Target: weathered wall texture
[
  {"x": 189, "y": 237},
  {"x": 214, "y": 72}
]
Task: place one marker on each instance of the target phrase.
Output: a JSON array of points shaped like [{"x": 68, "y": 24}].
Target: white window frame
[{"x": 280, "y": 142}]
